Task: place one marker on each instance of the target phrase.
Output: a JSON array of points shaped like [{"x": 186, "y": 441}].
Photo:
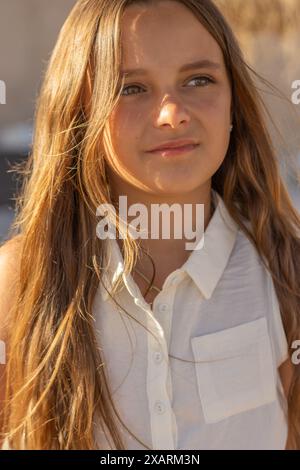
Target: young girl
[{"x": 133, "y": 343}]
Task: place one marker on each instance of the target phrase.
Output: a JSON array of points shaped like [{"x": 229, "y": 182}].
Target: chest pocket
[{"x": 234, "y": 370}]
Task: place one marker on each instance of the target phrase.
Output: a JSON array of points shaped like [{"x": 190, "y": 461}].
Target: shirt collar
[{"x": 204, "y": 266}]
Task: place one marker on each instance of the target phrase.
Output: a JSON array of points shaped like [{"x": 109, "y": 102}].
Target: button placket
[
  {"x": 163, "y": 307},
  {"x": 157, "y": 357},
  {"x": 169, "y": 288},
  {"x": 163, "y": 311},
  {"x": 159, "y": 407},
  {"x": 159, "y": 384},
  {"x": 161, "y": 419}
]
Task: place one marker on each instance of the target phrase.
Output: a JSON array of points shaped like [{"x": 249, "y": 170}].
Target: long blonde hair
[{"x": 56, "y": 381}]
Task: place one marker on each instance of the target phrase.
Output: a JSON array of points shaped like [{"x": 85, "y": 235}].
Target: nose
[{"x": 172, "y": 114}]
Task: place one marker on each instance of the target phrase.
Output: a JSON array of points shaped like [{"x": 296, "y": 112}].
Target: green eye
[
  {"x": 128, "y": 87},
  {"x": 209, "y": 80},
  {"x": 135, "y": 86}
]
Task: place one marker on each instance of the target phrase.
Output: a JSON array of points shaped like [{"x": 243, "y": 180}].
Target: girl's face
[{"x": 169, "y": 101}]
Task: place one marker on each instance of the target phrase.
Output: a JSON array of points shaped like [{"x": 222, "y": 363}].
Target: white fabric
[{"x": 219, "y": 309}]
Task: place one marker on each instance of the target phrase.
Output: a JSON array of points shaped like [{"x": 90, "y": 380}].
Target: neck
[{"x": 168, "y": 254}]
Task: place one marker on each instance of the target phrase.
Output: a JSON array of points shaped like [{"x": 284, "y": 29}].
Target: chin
[{"x": 175, "y": 188}]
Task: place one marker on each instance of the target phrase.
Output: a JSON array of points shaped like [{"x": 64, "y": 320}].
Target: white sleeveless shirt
[
  {"x": 219, "y": 316},
  {"x": 219, "y": 310}
]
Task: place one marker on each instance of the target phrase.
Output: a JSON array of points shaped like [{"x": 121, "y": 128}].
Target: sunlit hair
[{"x": 56, "y": 380}]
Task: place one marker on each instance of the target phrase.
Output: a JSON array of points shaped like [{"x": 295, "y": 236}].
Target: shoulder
[
  {"x": 10, "y": 253},
  {"x": 10, "y": 250}
]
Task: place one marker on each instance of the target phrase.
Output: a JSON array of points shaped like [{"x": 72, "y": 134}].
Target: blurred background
[{"x": 269, "y": 35}]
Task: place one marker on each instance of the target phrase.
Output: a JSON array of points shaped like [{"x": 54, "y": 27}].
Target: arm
[
  {"x": 9, "y": 271},
  {"x": 286, "y": 373}
]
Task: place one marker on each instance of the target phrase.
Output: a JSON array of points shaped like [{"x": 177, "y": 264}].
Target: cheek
[
  {"x": 124, "y": 130},
  {"x": 214, "y": 113},
  {"x": 125, "y": 122},
  {"x": 214, "y": 108}
]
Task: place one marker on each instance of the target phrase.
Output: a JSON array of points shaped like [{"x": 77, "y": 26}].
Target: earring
[{"x": 231, "y": 127}]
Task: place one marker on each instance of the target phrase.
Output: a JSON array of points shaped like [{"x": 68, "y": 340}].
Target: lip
[
  {"x": 171, "y": 152},
  {"x": 174, "y": 144}
]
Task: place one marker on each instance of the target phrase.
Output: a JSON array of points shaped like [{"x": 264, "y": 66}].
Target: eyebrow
[{"x": 200, "y": 64}]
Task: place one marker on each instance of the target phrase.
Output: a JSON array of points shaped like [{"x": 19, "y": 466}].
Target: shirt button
[
  {"x": 159, "y": 407},
  {"x": 162, "y": 308},
  {"x": 157, "y": 357}
]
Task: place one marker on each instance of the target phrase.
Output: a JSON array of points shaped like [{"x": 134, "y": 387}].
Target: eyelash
[{"x": 210, "y": 80}]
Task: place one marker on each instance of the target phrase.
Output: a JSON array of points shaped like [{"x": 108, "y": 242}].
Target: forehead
[{"x": 167, "y": 34}]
